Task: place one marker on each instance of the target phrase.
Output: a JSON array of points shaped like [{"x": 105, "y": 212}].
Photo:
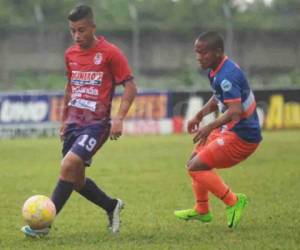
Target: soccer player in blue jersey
[{"x": 226, "y": 141}]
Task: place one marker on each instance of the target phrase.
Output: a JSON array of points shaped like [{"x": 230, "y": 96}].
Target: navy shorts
[{"x": 85, "y": 141}]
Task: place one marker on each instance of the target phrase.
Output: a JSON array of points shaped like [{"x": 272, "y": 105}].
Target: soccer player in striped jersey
[{"x": 228, "y": 140}]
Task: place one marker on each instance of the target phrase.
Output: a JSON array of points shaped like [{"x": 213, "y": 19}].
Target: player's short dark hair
[
  {"x": 81, "y": 12},
  {"x": 213, "y": 39}
]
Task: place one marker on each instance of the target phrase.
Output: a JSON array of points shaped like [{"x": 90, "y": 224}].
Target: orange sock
[
  {"x": 201, "y": 196},
  {"x": 214, "y": 183}
]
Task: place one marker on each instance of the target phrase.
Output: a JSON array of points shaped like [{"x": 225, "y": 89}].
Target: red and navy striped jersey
[{"x": 229, "y": 84}]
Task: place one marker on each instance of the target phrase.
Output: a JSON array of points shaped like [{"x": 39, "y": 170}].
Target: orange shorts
[{"x": 224, "y": 149}]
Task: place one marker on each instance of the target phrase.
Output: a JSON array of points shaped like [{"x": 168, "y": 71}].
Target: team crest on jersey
[
  {"x": 226, "y": 85},
  {"x": 220, "y": 141},
  {"x": 98, "y": 58},
  {"x": 73, "y": 63}
]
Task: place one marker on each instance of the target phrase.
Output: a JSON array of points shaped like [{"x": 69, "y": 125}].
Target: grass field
[{"x": 148, "y": 173}]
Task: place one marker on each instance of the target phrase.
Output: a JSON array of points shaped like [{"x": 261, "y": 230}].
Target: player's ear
[
  {"x": 219, "y": 52},
  {"x": 94, "y": 28}
]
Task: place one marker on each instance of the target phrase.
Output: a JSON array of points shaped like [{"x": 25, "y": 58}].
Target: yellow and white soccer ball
[{"x": 38, "y": 211}]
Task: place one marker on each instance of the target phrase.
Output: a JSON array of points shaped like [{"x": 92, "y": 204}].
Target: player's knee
[
  {"x": 197, "y": 166},
  {"x": 79, "y": 184},
  {"x": 189, "y": 166},
  {"x": 191, "y": 163},
  {"x": 68, "y": 170},
  {"x": 67, "y": 165},
  {"x": 190, "y": 160},
  {"x": 80, "y": 181}
]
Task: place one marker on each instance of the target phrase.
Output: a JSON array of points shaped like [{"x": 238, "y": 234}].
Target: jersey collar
[
  {"x": 99, "y": 41},
  {"x": 213, "y": 73}
]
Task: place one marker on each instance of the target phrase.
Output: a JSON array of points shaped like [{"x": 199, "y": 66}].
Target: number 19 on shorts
[{"x": 87, "y": 142}]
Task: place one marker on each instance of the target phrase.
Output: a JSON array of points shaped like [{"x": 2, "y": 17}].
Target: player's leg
[
  {"x": 214, "y": 183},
  {"x": 82, "y": 144},
  {"x": 70, "y": 166},
  {"x": 90, "y": 141},
  {"x": 201, "y": 196},
  {"x": 77, "y": 151},
  {"x": 223, "y": 152},
  {"x": 201, "y": 209},
  {"x": 92, "y": 192}
]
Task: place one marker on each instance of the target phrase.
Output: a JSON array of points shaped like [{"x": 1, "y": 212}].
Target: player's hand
[
  {"x": 202, "y": 134},
  {"x": 193, "y": 125},
  {"x": 116, "y": 129}
]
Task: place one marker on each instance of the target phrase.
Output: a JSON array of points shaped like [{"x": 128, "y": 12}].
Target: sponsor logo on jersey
[
  {"x": 98, "y": 58},
  {"x": 89, "y": 77},
  {"x": 78, "y": 91},
  {"x": 83, "y": 104},
  {"x": 226, "y": 85}
]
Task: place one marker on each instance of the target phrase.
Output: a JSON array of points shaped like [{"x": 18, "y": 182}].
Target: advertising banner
[
  {"x": 29, "y": 114},
  {"x": 277, "y": 109},
  {"x": 29, "y": 108},
  {"x": 38, "y": 113}
]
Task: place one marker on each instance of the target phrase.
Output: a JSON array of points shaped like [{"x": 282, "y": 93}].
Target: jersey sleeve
[
  {"x": 119, "y": 66},
  {"x": 231, "y": 89}
]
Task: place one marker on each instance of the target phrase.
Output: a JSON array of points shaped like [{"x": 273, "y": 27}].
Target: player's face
[
  {"x": 83, "y": 32},
  {"x": 207, "y": 57}
]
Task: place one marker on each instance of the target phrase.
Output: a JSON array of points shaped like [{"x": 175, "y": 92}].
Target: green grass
[{"x": 148, "y": 173}]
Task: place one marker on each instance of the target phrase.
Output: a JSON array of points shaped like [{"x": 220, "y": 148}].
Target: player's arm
[
  {"x": 64, "y": 112},
  {"x": 66, "y": 101},
  {"x": 122, "y": 76},
  {"x": 232, "y": 114},
  {"x": 210, "y": 107},
  {"x": 128, "y": 96}
]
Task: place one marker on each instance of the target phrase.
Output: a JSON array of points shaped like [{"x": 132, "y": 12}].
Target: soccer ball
[{"x": 38, "y": 211}]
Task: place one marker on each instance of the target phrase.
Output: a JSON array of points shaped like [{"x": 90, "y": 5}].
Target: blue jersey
[{"x": 229, "y": 84}]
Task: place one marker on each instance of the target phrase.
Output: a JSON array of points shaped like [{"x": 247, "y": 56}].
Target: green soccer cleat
[
  {"x": 234, "y": 213},
  {"x": 192, "y": 214},
  {"x": 35, "y": 233}
]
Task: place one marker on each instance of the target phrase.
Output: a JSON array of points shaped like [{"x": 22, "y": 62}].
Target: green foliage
[
  {"x": 280, "y": 15},
  {"x": 30, "y": 80},
  {"x": 154, "y": 184},
  {"x": 179, "y": 15}
]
